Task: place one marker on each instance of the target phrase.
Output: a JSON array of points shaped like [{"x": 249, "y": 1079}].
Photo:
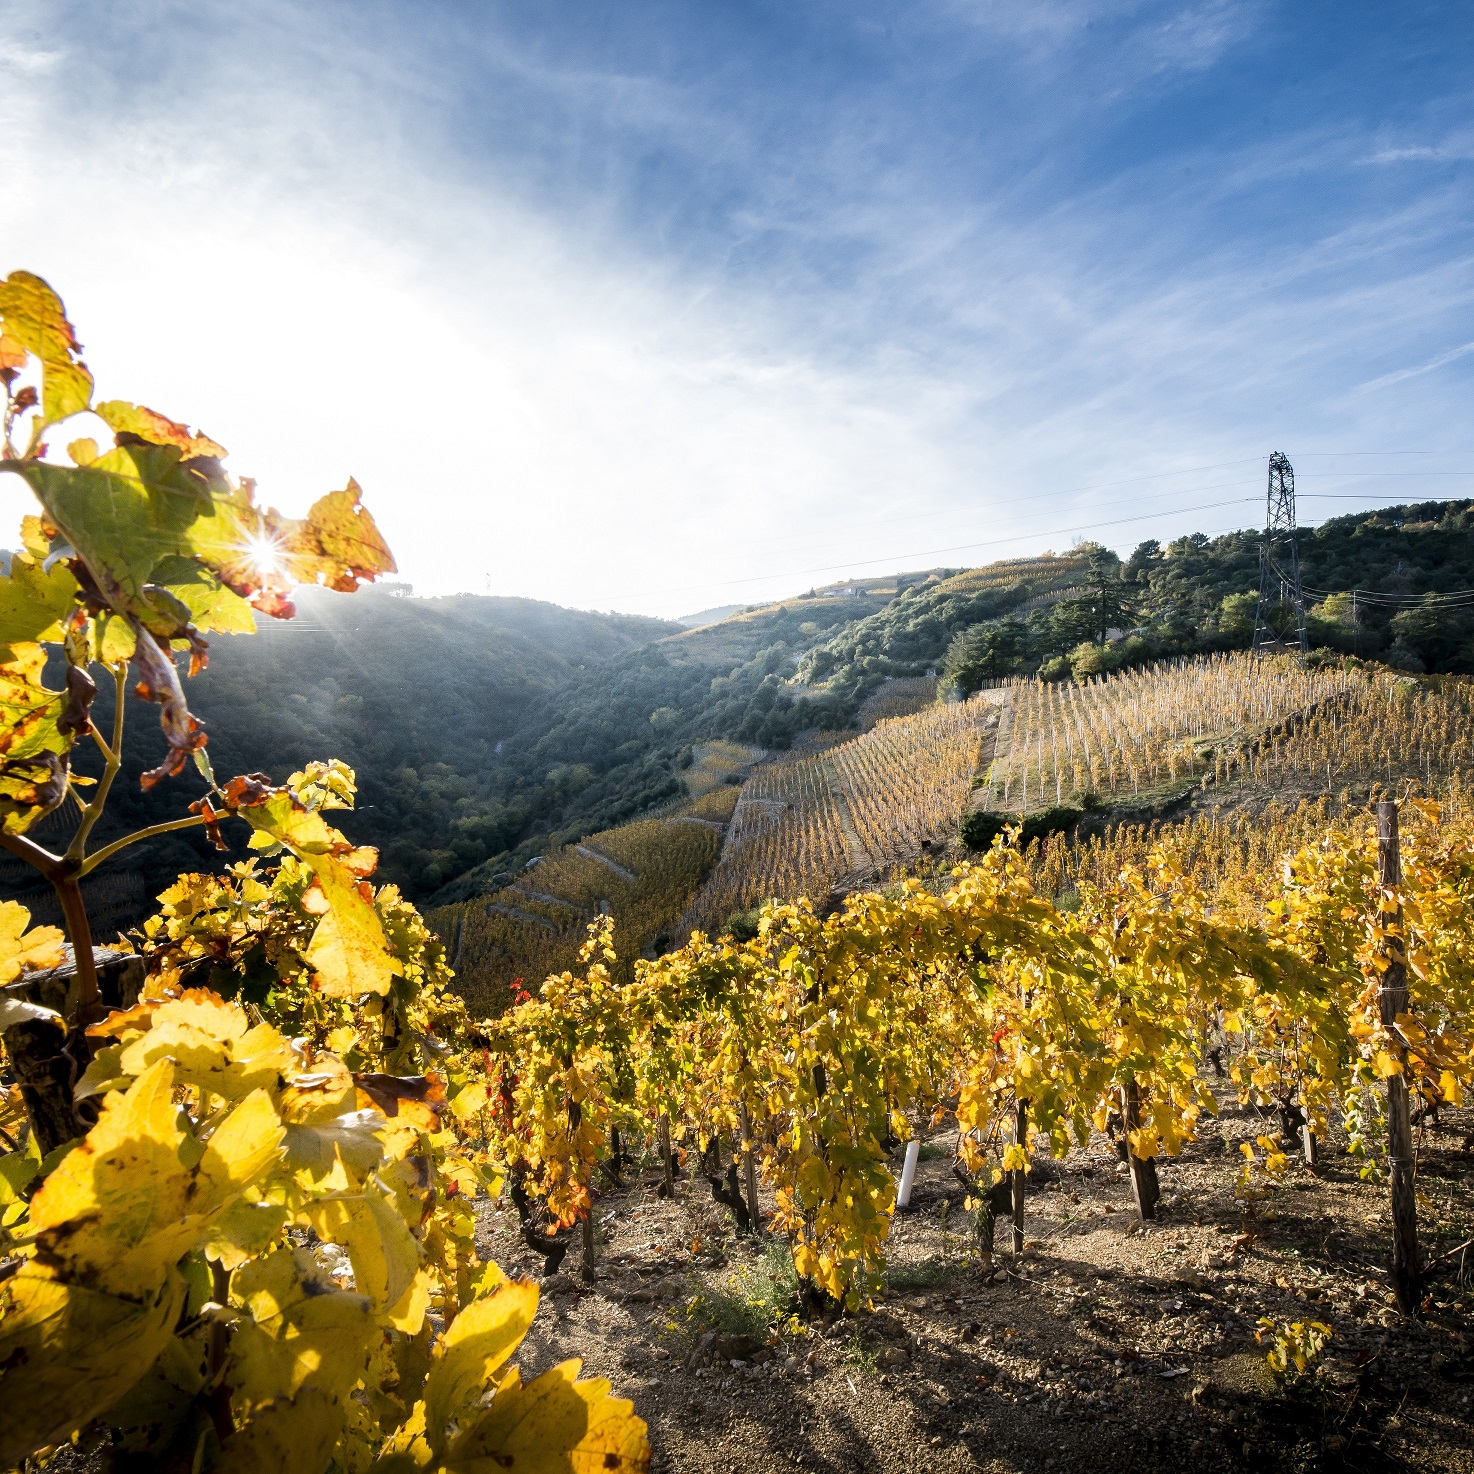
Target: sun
[{"x": 263, "y": 552}]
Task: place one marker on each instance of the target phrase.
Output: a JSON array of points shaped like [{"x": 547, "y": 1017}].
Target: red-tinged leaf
[
  {"x": 338, "y": 545},
  {"x": 147, "y": 425}
]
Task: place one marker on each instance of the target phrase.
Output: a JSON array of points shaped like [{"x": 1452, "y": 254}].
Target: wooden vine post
[
  {"x": 1392, "y": 998},
  {"x": 1019, "y": 1174},
  {"x": 667, "y": 1161},
  {"x": 1145, "y": 1189},
  {"x": 749, "y": 1161}
]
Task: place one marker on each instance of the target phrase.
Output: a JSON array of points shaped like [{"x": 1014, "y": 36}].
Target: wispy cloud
[
  {"x": 597, "y": 308},
  {"x": 1398, "y": 377}
]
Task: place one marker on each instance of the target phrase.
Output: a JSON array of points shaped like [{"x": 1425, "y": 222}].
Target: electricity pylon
[{"x": 1279, "y": 567}]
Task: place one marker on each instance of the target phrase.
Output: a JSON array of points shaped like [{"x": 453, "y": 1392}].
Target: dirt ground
[{"x": 1104, "y": 1344}]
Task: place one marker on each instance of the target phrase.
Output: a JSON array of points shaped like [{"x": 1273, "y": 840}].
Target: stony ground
[{"x": 1104, "y": 1344}]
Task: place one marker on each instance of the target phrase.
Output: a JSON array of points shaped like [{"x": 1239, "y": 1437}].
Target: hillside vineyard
[{"x": 860, "y": 807}]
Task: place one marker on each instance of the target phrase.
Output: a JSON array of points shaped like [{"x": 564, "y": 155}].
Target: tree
[
  {"x": 982, "y": 652},
  {"x": 1141, "y": 557},
  {"x": 1236, "y": 617},
  {"x": 1110, "y": 608},
  {"x": 1431, "y": 630}
]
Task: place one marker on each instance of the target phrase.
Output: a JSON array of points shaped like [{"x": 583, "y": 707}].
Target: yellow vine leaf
[
  {"x": 479, "y": 1341},
  {"x": 553, "y": 1425},
  {"x": 123, "y": 418},
  {"x": 20, "y": 949},
  {"x": 32, "y": 602},
  {"x": 1385, "y": 1064},
  {"x": 196, "y": 1031},
  {"x": 123, "y": 1206},
  {"x": 33, "y": 765},
  {"x": 298, "y": 1433},
  {"x": 348, "y": 951},
  {"x": 243, "y": 1146},
  {"x": 244, "y": 1230},
  {"x": 33, "y": 317},
  {"x": 303, "y": 1331},
  {"x": 383, "y": 1252},
  {"x": 70, "y": 1352},
  {"x": 408, "y": 1313}
]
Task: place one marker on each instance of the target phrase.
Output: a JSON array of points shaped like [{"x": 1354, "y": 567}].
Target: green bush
[
  {"x": 979, "y": 828},
  {"x": 741, "y": 926}
]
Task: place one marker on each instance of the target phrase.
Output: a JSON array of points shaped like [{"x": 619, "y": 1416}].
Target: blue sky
[{"x": 657, "y": 306}]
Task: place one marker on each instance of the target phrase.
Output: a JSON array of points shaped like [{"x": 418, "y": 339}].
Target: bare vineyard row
[
  {"x": 805, "y": 822},
  {"x": 1226, "y": 715}
]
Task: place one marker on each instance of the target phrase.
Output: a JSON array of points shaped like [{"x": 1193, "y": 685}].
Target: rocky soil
[{"x": 1105, "y": 1343}]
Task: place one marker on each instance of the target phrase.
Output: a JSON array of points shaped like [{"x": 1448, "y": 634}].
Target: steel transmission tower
[{"x": 1280, "y": 595}]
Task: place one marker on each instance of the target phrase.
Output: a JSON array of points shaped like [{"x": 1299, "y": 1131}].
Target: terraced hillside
[
  {"x": 1227, "y": 719},
  {"x": 643, "y": 874},
  {"x": 814, "y": 820}
]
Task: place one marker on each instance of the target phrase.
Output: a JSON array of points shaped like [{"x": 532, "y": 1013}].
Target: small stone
[
  {"x": 895, "y": 1357},
  {"x": 791, "y": 1364},
  {"x": 660, "y": 1354}
]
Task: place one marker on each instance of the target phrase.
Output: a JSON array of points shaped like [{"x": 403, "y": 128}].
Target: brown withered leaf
[
  {"x": 420, "y": 1098},
  {"x": 159, "y": 681}
]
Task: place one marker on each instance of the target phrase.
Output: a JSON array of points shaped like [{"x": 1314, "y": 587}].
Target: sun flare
[{"x": 264, "y": 554}]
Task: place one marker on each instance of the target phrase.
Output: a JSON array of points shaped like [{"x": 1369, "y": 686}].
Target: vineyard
[
  {"x": 902, "y": 697},
  {"x": 807, "y": 820},
  {"x": 1225, "y": 719},
  {"x": 641, "y": 874},
  {"x": 253, "y": 1158}
]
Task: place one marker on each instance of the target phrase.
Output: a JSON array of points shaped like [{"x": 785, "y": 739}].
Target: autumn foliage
[{"x": 237, "y": 1221}]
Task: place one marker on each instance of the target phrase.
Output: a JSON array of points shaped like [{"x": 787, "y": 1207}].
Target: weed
[
  {"x": 1294, "y": 1348},
  {"x": 755, "y": 1299},
  {"x": 860, "y": 1356}
]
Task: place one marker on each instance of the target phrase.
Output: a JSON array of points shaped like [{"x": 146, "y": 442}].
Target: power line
[
  {"x": 1454, "y": 599},
  {"x": 898, "y": 558},
  {"x": 961, "y": 547}
]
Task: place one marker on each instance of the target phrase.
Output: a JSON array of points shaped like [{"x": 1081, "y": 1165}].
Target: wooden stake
[
  {"x": 750, "y": 1167},
  {"x": 666, "y": 1156},
  {"x": 588, "y": 1244},
  {"x": 1021, "y": 1136},
  {"x": 1392, "y": 999},
  {"x": 1145, "y": 1189}
]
